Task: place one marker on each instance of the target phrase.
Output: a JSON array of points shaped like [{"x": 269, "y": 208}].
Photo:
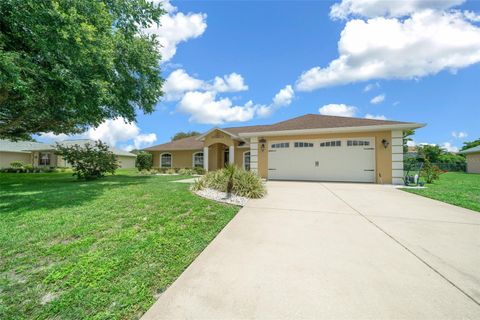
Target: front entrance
[
  {"x": 349, "y": 160},
  {"x": 218, "y": 156}
]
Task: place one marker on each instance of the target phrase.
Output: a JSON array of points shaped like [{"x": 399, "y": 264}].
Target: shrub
[
  {"x": 170, "y": 171},
  {"x": 144, "y": 161},
  {"x": 186, "y": 171},
  {"x": 430, "y": 172},
  {"x": 28, "y": 168},
  {"x": 244, "y": 183},
  {"x": 16, "y": 164},
  {"x": 89, "y": 161},
  {"x": 199, "y": 170}
]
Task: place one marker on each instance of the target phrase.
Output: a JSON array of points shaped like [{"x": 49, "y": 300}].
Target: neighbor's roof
[
  {"x": 28, "y": 146},
  {"x": 305, "y": 122},
  {"x": 471, "y": 150},
  {"x": 19, "y": 146}
]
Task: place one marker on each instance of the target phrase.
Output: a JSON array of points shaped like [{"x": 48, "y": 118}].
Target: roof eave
[
  {"x": 203, "y": 135},
  {"x": 400, "y": 126}
]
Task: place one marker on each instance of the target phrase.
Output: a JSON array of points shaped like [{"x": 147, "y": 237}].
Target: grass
[
  {"x": 100, "y": 249},
  {"x": 460, "y": 189}
]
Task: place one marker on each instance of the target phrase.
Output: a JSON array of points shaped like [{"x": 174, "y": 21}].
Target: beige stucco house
[
  {"x": 43, "y": 155},
  {"x": 310, "y": 147},
  {"x": 473, "y": 159}
]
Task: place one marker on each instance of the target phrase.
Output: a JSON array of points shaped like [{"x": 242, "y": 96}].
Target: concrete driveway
[{"x": 334, "y": 250}]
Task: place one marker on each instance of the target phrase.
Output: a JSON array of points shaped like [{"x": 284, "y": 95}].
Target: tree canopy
[
  {"x": 181, "y": 135},
  {"x": 470, "y": 144},
  {"x": 66, "y": 65}
]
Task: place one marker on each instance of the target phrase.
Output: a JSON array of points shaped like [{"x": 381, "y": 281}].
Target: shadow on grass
[{"x": 24, "y": 192}]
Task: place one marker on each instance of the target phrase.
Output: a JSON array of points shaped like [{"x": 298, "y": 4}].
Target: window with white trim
[
  {"x": 44, "y": 159},
  {"x": 281, "y": 145},
  {"x": 303, "y": 145},
  {"x": 335, "y": 143},
  {"x": 357, "y": 143},
  {"x": 198, "y": 160},
  {"x": 166, "y": 160},
  {"x": 246, "y": 161}
]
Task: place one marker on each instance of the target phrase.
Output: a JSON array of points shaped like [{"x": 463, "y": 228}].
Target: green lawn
[
  {"x": 100, "y": 249},
  {"x": 460, "y": 189}
]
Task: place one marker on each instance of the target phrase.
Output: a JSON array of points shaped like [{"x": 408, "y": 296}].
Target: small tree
[
  {"x": 89, "y": 161},
  {"x": 144, "y": 161},
  {"x": 430, "y": 172},
  {"x": 230, "y": 171}
]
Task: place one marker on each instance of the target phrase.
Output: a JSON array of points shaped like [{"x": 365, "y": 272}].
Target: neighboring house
[
  {"x": 309, "y": 147},
  {"x": 11, "y": 151},
  {"x": 473, "y": 159},
  {"x": 43, "y": 155}
]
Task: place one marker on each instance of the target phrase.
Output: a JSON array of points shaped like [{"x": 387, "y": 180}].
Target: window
[
  {"x": 166, "y": 160},
  {"x": 198, "y": 160},
  {"x": 355, "y": 143},
  {"x": 281, "y": 145},
  {"x": 246, "y": 160},
  {"x": 336, "y": 143},
  {"x": 303, "y": 145},
  {"x": 44, "y": 159}
]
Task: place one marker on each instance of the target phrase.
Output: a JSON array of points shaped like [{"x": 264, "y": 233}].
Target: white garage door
[{"x": 323, "y": 160}]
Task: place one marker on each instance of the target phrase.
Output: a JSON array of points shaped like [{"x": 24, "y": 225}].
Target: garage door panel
[{"x": 341, "y": 162}]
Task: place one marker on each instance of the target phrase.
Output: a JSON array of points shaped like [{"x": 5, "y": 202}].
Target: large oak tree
[{"x": 66, "y": 65}]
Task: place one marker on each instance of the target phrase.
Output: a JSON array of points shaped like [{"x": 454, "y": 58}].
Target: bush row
[{"x": 181, "y": 171}]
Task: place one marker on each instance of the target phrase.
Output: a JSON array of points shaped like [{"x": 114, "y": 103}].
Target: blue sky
[{"x": 428, "y": 71}]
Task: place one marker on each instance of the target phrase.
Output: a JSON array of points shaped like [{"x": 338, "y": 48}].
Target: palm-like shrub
[{"x": 242, "y": 183}]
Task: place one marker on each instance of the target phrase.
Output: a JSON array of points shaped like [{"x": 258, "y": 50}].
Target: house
[
  {"x": 310, "y": 147},
  {"x": 43, "y": 155},
  {"x": 473, "y": 159}
]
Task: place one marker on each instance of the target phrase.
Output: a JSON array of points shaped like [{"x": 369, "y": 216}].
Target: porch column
[
  {"x": 397, "y": 157},
  {"x": 205, "y": 158},
  {"x": 254, "y": 155},
  {"x": 231, "y": 155}
]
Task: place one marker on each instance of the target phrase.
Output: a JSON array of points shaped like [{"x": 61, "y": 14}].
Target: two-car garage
[{"x": 351, "y": 160}]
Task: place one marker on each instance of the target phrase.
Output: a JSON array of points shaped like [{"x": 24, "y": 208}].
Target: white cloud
[
  {"x": 341, "y": 110},
  {"x": 376, "y": 117},
  {"x": 379, "y": 48},
  {"x": 203, "y": 107},
  {"x": 411, "y": 143},
  {"x": 179, "y": 82},
  {"x": 283, "y": 98},
  {"x": 459, "y": 135},
  {"x": 387, "y": 8},
  {"x": 471, "y": 16},
  {"x": 176, "y": 27},
  {"x": 371, "y": 86},
  {"x": 449, "y": 147},
  {"x": 232, "y": 82},
  {"x": 378, "y": 99},
  {"x": 112, "y": 132}
]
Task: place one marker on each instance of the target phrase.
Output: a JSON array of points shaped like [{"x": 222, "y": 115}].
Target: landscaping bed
[
  {"x": 457, "y": 188},
  {"x": 99, "y": 249}
]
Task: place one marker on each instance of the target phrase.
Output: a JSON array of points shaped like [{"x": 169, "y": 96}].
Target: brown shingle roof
[
  {"x": 189, "y": 143},
  {"x": 308, "y": 121}
]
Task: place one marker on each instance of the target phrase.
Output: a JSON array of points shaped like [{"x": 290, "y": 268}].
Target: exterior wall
[
  {"x": 383, "y": 156},
  {"x": 218, "y": 136},
  {"x": 180, "y": 158},
  {"x": 126, "y": 162},
  {"x": 7, "y": 157},
  {"x": 473, "y": 162}
]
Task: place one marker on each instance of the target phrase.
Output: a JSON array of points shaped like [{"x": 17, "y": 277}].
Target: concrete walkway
[{"x": 333, "y": 250}]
